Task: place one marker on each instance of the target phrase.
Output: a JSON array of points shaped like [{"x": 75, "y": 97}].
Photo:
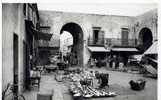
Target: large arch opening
[
  {"x": 76, "y": 54},
  {"x": 145, "y": 39}
]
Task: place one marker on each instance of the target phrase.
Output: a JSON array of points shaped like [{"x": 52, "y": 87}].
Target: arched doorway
[
  {"x": 77, "y": 48},
  {"x": 145, "y": 39}
]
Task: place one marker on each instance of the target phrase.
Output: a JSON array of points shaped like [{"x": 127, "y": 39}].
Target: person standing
[
  {"x": 99, "y": 62},
  {"x": 116, "y": 62},
  {"x": 111, "y": 61},
  {"x": 92, "y": 63},
  {"x": 125, "y": 60}
]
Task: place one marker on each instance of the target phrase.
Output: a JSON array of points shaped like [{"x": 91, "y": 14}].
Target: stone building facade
[
  {"x": 19, "y": 44},
  {"x": 110, "y": 25}
]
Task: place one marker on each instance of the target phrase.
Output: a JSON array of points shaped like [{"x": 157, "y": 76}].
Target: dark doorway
[
  {"x": 28, "y": 52},
  {"x": 145, "y": 39},
  {"x": 97, "y": 35},
  {"x": 25, "y": 63},
  {"x": 15, "y": 67},
  {"x": 77, "y": 49}
]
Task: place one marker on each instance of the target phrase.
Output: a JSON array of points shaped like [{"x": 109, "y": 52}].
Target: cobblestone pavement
[{"x": 119, "y": 80}]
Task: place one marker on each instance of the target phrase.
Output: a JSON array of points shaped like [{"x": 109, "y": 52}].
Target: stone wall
[
  {"x": 148, "y": 20},
  {"x": 110, "y": 24},
  {"x": 12, "y": 23}
]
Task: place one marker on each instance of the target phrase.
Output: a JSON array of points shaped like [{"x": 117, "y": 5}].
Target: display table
[
  {"x": 50, "y": 68},
  {"x": 61, "y": 65}
]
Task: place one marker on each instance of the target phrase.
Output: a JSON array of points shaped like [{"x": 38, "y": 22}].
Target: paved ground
[{"x": 117, "y": 80}]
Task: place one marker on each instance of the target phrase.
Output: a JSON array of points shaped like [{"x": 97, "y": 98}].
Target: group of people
[
  {"x": 116, "y": 60},
  {"x": 71, "y": 59},
  {"x": 111, "y": 61}
]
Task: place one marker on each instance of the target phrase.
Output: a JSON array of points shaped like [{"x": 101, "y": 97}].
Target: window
[
  {"x": 96, "y": 31},
  {"x": 30, "y": 13},
  {"x": 124, "y": 36},
  {"x": 34, "y": 19},
  {"x": 24, "y": 9}
]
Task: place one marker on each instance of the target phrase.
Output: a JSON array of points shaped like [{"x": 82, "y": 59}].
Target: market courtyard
[
  {"x": 118, "y": 82},
  {"x": 61, "y": 55}
]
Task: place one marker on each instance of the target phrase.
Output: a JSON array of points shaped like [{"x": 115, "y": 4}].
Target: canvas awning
[
  {"x": 41, "y": 35},
  {"x": 152, "y": 49},
  {"x": 98, "y": 49},
  {"x": 125, "y": 49},
  {"x": 38, "y": 34}
]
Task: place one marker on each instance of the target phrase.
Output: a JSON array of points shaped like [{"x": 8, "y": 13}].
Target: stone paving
[{"x": 118, "y": 80}]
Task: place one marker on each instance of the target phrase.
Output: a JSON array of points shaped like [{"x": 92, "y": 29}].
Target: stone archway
[
  {"x": 77, "y": 33},
  {"x": 145, "y": 39}
]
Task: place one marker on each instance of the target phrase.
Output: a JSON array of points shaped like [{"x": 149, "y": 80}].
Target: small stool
[
  {"x": 45, "y": 95},
  {"x": 35, "y": 81}
]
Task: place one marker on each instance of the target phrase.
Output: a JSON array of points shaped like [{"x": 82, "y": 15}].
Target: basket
[{"x": 137, "y": 85}]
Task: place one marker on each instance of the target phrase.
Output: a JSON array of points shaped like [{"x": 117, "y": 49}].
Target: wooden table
[{"x": 51, "y": 68}]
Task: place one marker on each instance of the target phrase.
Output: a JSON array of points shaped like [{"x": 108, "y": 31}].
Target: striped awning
[
  {"x": 125, "y": 49},
  {"x": 98, "y": 49},
  {"x": 152, "y": 49}
]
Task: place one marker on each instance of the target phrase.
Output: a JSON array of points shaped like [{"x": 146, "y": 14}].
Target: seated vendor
[{"x": 103, "y": 79}]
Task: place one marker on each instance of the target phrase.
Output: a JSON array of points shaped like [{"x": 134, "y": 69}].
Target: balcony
[
  {"x": 115, "y": 42},
  {"x": 94, "y": 42},
  {"x": 51, "y": 43}
]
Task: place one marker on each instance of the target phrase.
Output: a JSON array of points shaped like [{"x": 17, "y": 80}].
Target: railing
[
  {"x": 121, "y": 42},
  {"x": 113, "y": 42},
  {"x": 94, "y": 42}
]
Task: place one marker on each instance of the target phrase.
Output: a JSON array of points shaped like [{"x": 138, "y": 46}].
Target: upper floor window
[
  {"x": 124, "y": 32},
  {"x": 96, "y": 31},
  {"x": 24, "y": 9},
  {"x": 124, "y": 36}
]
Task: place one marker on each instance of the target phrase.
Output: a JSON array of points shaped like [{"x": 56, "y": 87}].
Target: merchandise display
[
  {"x": 84, "y": 85},
  {"x": 88, "y": 91}
]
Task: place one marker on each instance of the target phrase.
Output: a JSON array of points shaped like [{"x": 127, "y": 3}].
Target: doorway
[
  {"x": 16, "y": 58},
  {"x": 145, "y": 39},
  {"x": 125, "y": 36},
  {"x": 77, "y": 49}
]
